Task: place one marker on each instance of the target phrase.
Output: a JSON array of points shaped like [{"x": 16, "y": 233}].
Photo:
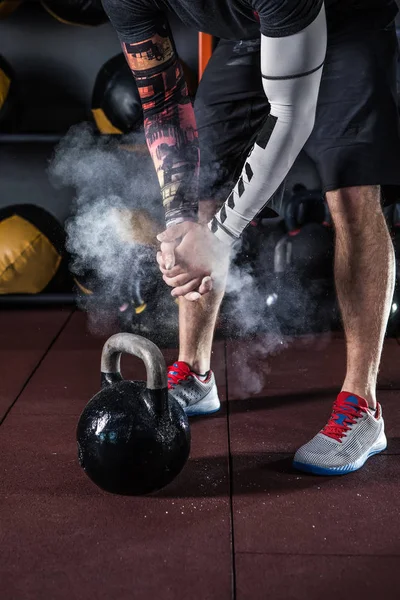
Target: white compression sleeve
[{"x": 291, "y": 68}]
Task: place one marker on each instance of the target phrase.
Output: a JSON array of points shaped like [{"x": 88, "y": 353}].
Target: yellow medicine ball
[
  {"x": 5, "y": 82},
  {"x": 136, "y": 226},
  {"x": 31, "y": 253}
]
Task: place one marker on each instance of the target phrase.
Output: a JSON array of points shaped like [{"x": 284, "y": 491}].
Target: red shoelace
[
  {"x": 177, "y": 373},
  {"x": 344, "y": 414}
]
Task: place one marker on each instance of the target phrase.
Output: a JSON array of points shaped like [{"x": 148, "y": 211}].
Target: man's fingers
[
  {"x": 177, "y": 270},
  {"x": 182, "y": 290},
  {"x": 193, "y": 296},
  {"x": 167, "y": 250},
  {"x": 166, "y": 247},
  {"x": 166, "y": 257},
  {"x": 174, "y": 232},
  {"x": 169, "y": 235},
  {"x": 179, "y": 280},
  {"x": 206, "y": 285},
  {"x": 160, "y": 260}
]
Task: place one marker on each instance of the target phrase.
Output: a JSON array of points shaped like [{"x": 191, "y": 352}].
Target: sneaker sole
[
  {"x": 350, "y": 468},
  {"x": 205, "y": 407},
  {"x": 200, "y": 411}
]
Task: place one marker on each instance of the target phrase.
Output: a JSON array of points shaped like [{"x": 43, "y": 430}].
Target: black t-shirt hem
[{"x": 292, "y": 29}]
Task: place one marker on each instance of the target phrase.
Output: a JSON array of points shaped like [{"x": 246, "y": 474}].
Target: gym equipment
[
  {"x": 306, "y": 206},
  {"x": 7, "y": 7},
  {"x": 140, "y": 227},
  {"x": 205, "y": 50},
  {"x": 301, "y": 303},
  {"x": 396, "y": 229},
  {"x": 76, "y": 12},
  {"x": 132, "y": 438},
  {"x": 138, "y": 298},
  {"x": 157, "y": 318},
  {"x": 392, "y": 214},
  {"x": 9, "y": 107},
  {"x": 116, "y": 104},
  {"x": 308, "y": 247},
  {"x": 302, "y": 296},
  {"x": 393, "y": 327},
  {"x": 135, "y": 291},
  {"x": 308, "y": 252},
  {"x": 32, "y": 254},
  {"x": 243, "y": 309},
  {"x": 146, "y": 306},
  {"x": 135, "y": 295},
  {"x": 137, "y": 227}
]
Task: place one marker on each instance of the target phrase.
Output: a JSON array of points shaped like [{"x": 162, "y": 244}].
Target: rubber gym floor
[{"x": 237, "y": 523}]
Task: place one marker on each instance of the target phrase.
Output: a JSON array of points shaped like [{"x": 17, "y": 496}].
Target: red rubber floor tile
[
  {"x": 75, "y": 357},
  {"x": 66, "y": 539},
  {"x": 81, "y": 542},
  {"x": 25, "y": 336},
  {"x": 279, "y": 510},
  {"x": 272, "y": 366},
  {"x": 316, "y": 577}
]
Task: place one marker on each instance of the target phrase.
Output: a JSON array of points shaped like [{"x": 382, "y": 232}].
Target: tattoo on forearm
[{"x": 169, "y": 122}]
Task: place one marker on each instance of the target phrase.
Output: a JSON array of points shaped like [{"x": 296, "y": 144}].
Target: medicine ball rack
[
  {"x": 31, "y": 17},
  {"x": 205, "y": 46}
]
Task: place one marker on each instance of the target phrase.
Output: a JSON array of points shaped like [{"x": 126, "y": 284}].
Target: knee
[{"x": 355, "y": 207}]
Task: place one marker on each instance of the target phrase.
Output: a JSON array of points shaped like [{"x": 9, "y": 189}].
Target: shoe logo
[
  {"x": 352, "y": 400},
  {"x": 345, "y": 414},
  {"x": 340, "y": 419},
  {"x": 342, "y": 416}
]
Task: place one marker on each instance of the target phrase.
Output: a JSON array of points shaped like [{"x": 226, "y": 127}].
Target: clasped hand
[{"x": 192, "y": 260}]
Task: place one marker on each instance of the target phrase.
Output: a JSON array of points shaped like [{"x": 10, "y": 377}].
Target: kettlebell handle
[{"x": 136, "y": 345}]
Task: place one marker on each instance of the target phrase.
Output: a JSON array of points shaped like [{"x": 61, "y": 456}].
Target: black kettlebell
[{"x": 132, "y": 438}]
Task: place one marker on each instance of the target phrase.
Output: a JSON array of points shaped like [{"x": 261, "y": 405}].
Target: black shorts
[{"x": 356, "y": 138}]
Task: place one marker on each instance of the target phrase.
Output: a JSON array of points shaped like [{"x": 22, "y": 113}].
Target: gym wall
[{"x": 55, "y": 65}]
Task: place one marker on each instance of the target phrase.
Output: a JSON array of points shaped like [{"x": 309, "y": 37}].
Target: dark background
[{"x": 56, "y": 66}]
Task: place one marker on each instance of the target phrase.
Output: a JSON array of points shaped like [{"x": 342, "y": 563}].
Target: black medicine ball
[
  {"x": 116, "y": 104},
  {"x": 9, "y": 106}
]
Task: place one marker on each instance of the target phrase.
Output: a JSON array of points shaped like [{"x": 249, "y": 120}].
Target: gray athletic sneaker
[
  {"x": 196, "y": 397},
  {"x": 351, "y": 436}
]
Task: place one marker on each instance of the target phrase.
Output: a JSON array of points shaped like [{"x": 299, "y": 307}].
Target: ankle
[
  {"x": 364, "y": 392},
  {"x": 197, "y": 365}
]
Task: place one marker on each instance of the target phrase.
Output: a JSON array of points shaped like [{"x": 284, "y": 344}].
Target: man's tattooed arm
[{"x": 169, "y": 123}]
